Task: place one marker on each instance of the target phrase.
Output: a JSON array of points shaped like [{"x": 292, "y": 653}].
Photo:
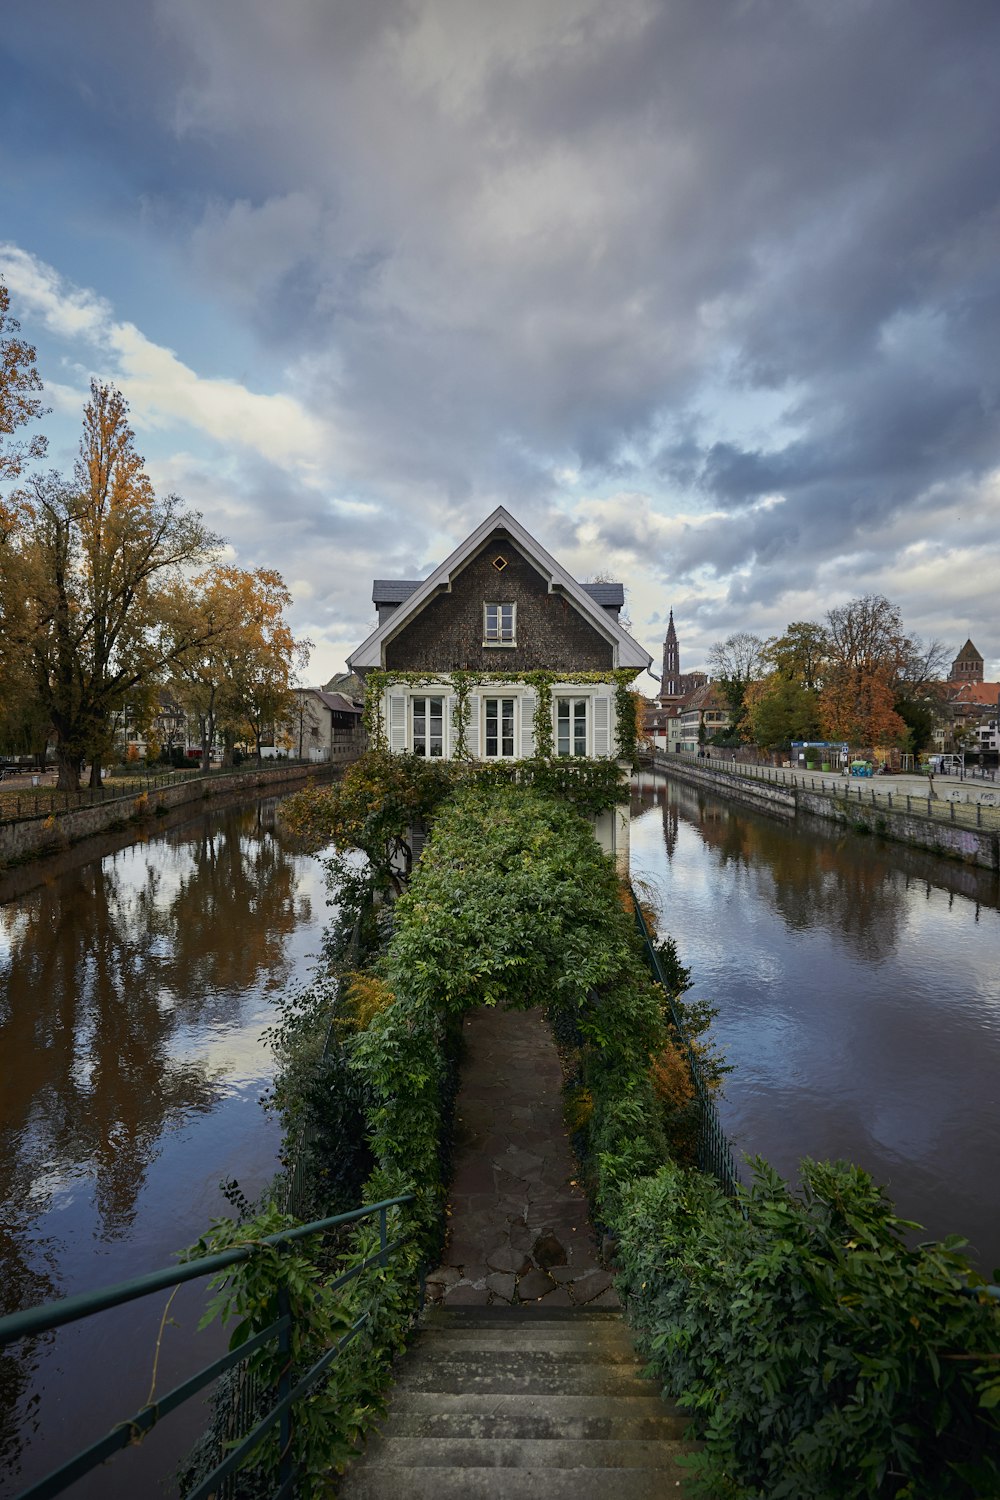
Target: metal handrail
[{"x": 36, "y": 1320}]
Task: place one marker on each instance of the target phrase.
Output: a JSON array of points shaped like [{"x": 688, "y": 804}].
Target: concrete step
[
  {"x": 576, "y": 1419},
  {"x": 513, "y": 1404},
  {"x": 528, "y": 1312},
  {"x": 612, "y": 1347},
  {"x": 388, "y": 1483},
  {"x": 541, "y": 1372},
  {"x": 501, "y": 1337},
  {"x": 520, "y": 1453}
]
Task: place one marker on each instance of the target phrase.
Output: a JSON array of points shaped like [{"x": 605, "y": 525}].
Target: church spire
[{"x": 670, "y": 684}]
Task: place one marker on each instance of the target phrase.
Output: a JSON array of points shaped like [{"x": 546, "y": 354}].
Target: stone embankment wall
[
  {"x": 45, "y": 834},
  {"x": 975, "y": 846}
]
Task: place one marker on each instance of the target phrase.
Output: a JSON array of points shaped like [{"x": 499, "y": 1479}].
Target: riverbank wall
[
  {"x": 47, "y": 834},
  {"x": 974, "y": 846}
]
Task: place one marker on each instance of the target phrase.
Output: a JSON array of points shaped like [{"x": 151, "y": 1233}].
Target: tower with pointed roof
[
  {"x": 675, "y": 685},
  {"x": 967, "y": 666},
  {"x": 670, "y": 682}
]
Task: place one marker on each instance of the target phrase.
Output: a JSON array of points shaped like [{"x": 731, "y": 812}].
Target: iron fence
[
  {"x": 972, "y": 803},
  {"x": 52, "y": 1315}
]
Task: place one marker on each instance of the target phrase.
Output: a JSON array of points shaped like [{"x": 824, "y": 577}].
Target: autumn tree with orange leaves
[
  {"x": 96, "y": 560},
  {"x": 239, "y": 681},
  {"x": 868, "y": 656}
]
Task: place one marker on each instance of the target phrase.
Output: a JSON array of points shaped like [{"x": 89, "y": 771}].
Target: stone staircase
[{"x": 514, "y": 1403}]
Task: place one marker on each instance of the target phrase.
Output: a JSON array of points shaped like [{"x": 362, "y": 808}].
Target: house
[
  {"x": 500, "y": 654},
  {"x": 705, "y": 712},
  {"x": 326, "y": 726}
]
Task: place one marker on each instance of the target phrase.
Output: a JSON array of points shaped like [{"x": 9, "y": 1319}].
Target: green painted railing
[{"x": 36, "y": 1320}]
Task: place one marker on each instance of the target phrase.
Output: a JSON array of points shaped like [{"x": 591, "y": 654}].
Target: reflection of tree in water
[
  {"x": 109, "y": 965},
  {"x": 21, "y": 1284},
  {"x": 812, "y": 878}
]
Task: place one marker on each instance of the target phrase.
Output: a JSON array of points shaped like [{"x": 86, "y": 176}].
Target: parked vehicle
[{"x": 861, "y": 768}]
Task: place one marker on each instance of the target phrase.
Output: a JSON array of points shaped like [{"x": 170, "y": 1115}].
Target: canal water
[
  {"x": 134, "y": 989},
  {"x": 858, "y": 989}
]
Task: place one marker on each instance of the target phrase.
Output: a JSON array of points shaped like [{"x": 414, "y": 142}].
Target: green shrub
[{"x": 823, "y": 1356}]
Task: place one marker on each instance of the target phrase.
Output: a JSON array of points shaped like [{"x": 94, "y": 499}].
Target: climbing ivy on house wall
[{"x": 462, "y": 683}]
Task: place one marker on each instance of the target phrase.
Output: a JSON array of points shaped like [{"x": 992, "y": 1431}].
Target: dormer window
[{"x": 499, "y": 621}]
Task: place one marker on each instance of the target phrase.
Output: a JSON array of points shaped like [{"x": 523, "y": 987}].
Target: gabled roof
[
  {"x": 627, "y": 652},
  {"x": 967, "y": 651}
]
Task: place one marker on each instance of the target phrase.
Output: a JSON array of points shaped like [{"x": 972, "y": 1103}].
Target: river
[
  {"x": 134, "y": 989},
  {"x": 858, "y": 989},
  {"x": 857, "y": 986}
]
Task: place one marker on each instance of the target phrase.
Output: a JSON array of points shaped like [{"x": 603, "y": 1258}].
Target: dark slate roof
[
  {"x": 610, "y": 595},
  {"x": 337, "y": 702},
  {"x": 395, "y": 590}
]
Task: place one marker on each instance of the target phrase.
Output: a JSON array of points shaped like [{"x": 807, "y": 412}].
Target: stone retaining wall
[
  {"x": 975, "y": 846},
  {"x": 763, "y": 794},
  {"x": 47, "y": 834}
]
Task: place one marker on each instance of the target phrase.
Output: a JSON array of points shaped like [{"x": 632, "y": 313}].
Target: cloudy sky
[{"x": 707, "y": 292}]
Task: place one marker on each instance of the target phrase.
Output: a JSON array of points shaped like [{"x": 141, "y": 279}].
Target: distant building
[
  {"x": 705, "y": 712},
  {"x": 675, "y": 684},
  {"x": 967, "y": 666},
  {"x": 326, "y": 726}
]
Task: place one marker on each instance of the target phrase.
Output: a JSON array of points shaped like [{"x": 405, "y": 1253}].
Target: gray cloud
[{"x": 498, "y": 241}]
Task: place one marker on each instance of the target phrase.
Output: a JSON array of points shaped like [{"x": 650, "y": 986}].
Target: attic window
[
  {"x": 499, "y": 563},
  {"x": 499, "y": 622}
]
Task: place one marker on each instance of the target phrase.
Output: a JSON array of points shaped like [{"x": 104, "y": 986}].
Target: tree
[
  {"x": 735, "y": 663},
  {"x": 96, "y": 563},
  {"x": 19, "y": 403},
  {"x": 800, "y": 654},
  {"x": 779, "y": 709},
  {"x": 869, "y": 652},
  {"x": 256, "y": 650},
  {"x": 784, "y": 705}
]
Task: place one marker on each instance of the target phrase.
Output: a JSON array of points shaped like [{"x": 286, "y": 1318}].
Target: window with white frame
[
  {"x": 499, "y": 622},
  {"x": 499, "y": 724},
  {"x": 428, "y": 726},
  {"x": 571, "y": 726}
]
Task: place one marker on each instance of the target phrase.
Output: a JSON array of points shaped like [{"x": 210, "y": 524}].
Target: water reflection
[
  {"x": 858, "y": 995},
  {"x": 132, "y": 995}
]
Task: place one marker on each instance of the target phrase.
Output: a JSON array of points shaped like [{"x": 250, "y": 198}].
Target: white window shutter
[
  {"x": 397, "y": 723},
  {"x": 450, "y": 728},
  {"x": 602, "y": 726},
  {"x": 472, "y": 727},
  {"x": 527, "y": 725}
]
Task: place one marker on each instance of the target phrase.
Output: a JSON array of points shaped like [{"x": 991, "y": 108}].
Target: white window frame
[
  {"x": 500, "y": 698},
  {"x": 425, "y": 699},
  {"x": 588, "y": 721},
  {"x": 494, "y": 632}
]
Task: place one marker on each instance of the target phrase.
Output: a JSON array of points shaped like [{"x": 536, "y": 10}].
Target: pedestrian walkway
[
  {"x": 522, "y": 1383},
  {"x": 519, "y": 1228}
]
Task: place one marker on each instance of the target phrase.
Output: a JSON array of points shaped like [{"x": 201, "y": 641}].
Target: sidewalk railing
[{"x": 972, "y": 803}]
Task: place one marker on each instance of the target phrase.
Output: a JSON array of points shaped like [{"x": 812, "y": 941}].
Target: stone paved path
[{"x": 519, "y": 1227}]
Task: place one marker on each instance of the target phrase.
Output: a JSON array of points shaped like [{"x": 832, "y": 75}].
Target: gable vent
[{"x": 499, "y": 563}]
